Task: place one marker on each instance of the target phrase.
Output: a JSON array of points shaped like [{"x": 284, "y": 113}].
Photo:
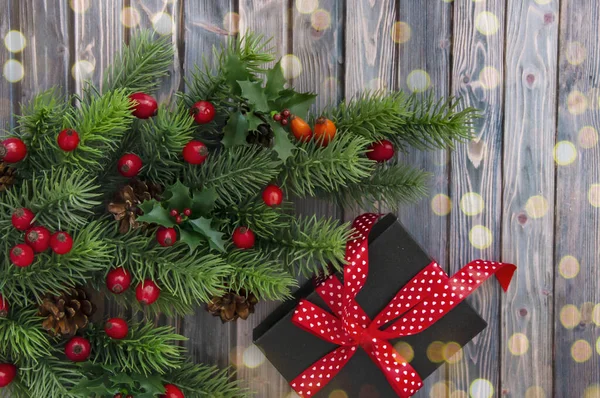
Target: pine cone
[
  {"x": 7, "y": 176},
  {"x": 232, "y": 306},
  {"x": 126, "y": 202},
  {"x": 67, "y": 313}
]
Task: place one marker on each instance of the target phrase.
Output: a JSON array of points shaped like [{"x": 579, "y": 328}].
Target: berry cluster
[
  {"x": 118, "y": 281},
  {"x": 324, "y": 130},
  {"x": 37, "y": 239},
  {"x": 282, "y": 117}
]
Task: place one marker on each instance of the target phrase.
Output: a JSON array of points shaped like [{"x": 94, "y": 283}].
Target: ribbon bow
[{"x": 419, "y": 304}]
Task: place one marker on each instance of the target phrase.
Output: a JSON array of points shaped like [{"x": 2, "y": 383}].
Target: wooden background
[{"x": 525, "y": 190}]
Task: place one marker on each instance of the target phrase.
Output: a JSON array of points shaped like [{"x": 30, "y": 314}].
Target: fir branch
[
  {"x": 236, "y": 174},
  {"x": 254, "y": 272},
  {"x": 147, "y": 349},
  {"x": 46, "y": 377},
  {"x": 263, "y": 220},
  {"x": 141, "y": 64},
  {"x": 22, "y": 336},
  {"x": 391, "y": 185},
  {"x": 314, "y": 168},
  {"x": 310, "y": 245},
  {"x": 206, "y": 381}
]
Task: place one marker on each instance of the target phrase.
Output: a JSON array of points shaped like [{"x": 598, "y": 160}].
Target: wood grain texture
[
  {"x": 477, "y": 168},
  {"x": 209, "y": 340},
  {"x": 577, "y": 200},
  {"x": 528, "y": 195},
  {"x": 7, "y": 90},
  {"x": 424, "y": 67}
]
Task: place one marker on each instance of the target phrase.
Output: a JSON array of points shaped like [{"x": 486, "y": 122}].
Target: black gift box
[{"x": 394, "y": 259}]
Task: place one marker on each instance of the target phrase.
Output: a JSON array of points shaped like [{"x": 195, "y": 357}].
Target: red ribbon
[{"x": 419, "y": 304}]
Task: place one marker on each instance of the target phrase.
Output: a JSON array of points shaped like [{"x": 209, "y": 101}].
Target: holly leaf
[
  {"x": 235, "y": 130},
  {"x": 154, "y": 213},
  {"x": 192, "y": 238},
  {"x": 150, "y": 384},
  {"x": 215, "y": 238},
  {"x": 253, "y": 121},
  {"x": 282, "y": 144},
  {"x": 203, "y": 201},
  {"x": 275, "y": 81},
  {"x": 235, "y": 70},
  {"x": 178, "y": 197},
  {"x": 299, "y": 103},
  {"x": 122, "y": 378},
  {"x": 255, "y": 95}
]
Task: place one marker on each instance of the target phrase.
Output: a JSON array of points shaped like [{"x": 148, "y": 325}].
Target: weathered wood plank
[
  {"x": 7, "y": 89},
  {"x": 423, "y": 35},
  {"x": 476, "y": 182},
  {"x": 577, "y": 231},
  {"x": 209, "y": 340},
  {"x": 528, "y": 196}
]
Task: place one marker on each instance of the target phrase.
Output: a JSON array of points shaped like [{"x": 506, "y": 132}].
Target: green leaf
[
  {"x": 154, "y": 213},
  {"x": 150, "y": 384},
  {"x": 178, "y": 197},
  {"x": 253, "y": 121},
  {"x": 282, "y": 144},
  {"x": 275, "y": 81},
  {"x": 203, "y": 202},
  {"x": 122, "y": 378},
  {"x": 235, "y": 130},
  {"x": 255, "y": 95},
  {"x": 215, "y": 238},
  {"x": 192, "y": 238},
  {"x": 298, "y": 103},
  {"x": 235, "y": 70}
]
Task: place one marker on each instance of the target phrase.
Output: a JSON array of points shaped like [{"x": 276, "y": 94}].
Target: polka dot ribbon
[{"x": 419, "y": 304}]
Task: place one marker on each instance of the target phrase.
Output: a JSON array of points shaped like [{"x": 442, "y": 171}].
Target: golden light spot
[
  {"x": 518, "y": 344},
  {"x": 536, "y": 206},
  {"x": 575, "y": 53},
  {"x": 405, "y": 350},
  {"x": 481, "y": 388},
  {"x": 447, "y": 1},
  {"x": 15, "y": 41},
  {"x": 487, "y": 23},
  {"x": 592, "y": 391},
  {"x": 291, "y": 66},
  {"x": 459, "y": 394},
  {"x": 439, "y": 389},
  {"x": 82, "y": 70},
  {"x": 162, "y": 23},
  {"x": 79, "y": 6},
  {"x": 587, "y": 137},
  {"x": 418, "y": 81},
  {"x": 596, "y": 315},
  {"x": 253, "y": 357},
  {"x": 435, "y": 352},
  {"x": 568, "y": 267},
  {"x": 594, "y": 195},
  {"x": 452, "y": 352},
  {"x": 581, "y": 351},
  {"x": 598, "y": 345},
  {"x": 236, "y": 356},
  {"x": 480, "y": 237},
  {"x": 577, "y": 102},
  {"x": 306, "y": 6},
  {"x": 586, "y": 312},
  {"x": 535, "y": 392},
  {"x": 489, "y": 77},
  {"x": 231, "y": 22},
  {"x": 13, "y": 71},
  {"x": 441, "y": 204},
  {"x": 320, "y": 19},
  {"x": 565, "y": 153},
  {"x": 570, "y": 316},
  {"x": 472, "y": 203},
  {"x": 338, "y": 394},
  {"x": 130, "y": 17},
  {"x": 543, "y": 1},
  {"x": 401, "y": 32}
]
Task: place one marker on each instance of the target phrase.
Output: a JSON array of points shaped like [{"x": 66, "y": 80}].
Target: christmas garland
[{"x": 167, "y": 207}]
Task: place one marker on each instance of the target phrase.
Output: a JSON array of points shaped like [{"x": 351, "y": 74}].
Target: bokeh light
[
  {"x": 596, "y": 315},
  {"x": 130, "y": 17},
  {"x": 570, "y": 316},
  {"x": 439, "y": 389},
  {"x": 231, "y": 22},
  {"x": 487, "y": 23},
  {"x": 418, "y": 81},
  {"x": 536, "y": 206},
  {"x": 568, "y": 267},
  {"x": 459, "y": 394},
  {"x": 13, "y": 71},
  {"x": 481, "y": 388},
  {"x": 592, "y": 391},
  {"x": 575, "y": 53},
  {"x": 401, "y": 32},
  {"x": 82, "y": 70},
  {"x": 338, "y": 394},
  {"x": 405, "y": 350},
  {"x": 518, "y": 344},
  {"x": 543, "y": 1},
  {"x": 452, "y": 352},
  {"x": 291, "y": 66},
  {"x": 594, "y": 195},
  {"x": 236, "y": 355},
  {"x": 306, "y": 6},
  {"x": 162, "y": 23},
  {"x": 471, "y": 203},
  {"x": 480, "y": 237},
  {"x": 535, "y": 392},
  {"x": 565, "y": 153},
  {"x": 253, "y": 357},
  {"x": 587, "y": 137},
  {"x": 79, "y": 6},
  {"x": 598, "y": 345},
  {"x": 489, "y": 77},
  {"x": 441, "y": 204},
  {"x": 577, "y": 102},
  {"x": 15, "y": 41},
  {"x": 435, "y": 352},
  {"x": 320, "y": 19},
  {"x": 581, "y": 351}
]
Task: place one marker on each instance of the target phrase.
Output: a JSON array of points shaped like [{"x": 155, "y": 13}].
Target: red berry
[
  {"x": 61, "y": 242},
  {"x": 4, "y": 307},
  {"x": 68, "y": 140},
  {"x": 381, "y": 151},
  {"x": 195, "y": 152},
  {"x": 286, "y": 113},
  {"x": 38, "y": 238},
  {"x": 178, "y": 219},
  {"x": 277, "y": 117},
  {"x": 22, "y": 219},
  {"x": 130, "y": 165},
  {"x": 147, "y": 292},
  {"x": 203, "y": 112},
  {"x": 8, "y": 371},
  {"x": 144, "y": 105},
  {"x": 118, "y": 280},
  {"x": 174, "y": 213},
  {"x": 172, "y": 391},
  {"x": 284, "y": 122},
  {"x": 187, "y": 212},
  {"x": 21, "y": 255},
  {"x": 272, "y": 195},
  {"x": 167, "y": 236},
  {"x": 12, "y": 150},
  {"x": 243, "y": 238},
  {"x": 78, "y": 349},
  {"x": 116, "y": 328},
  {"x": 118, "y": 395},
  {"x": 129, "y": 396}
]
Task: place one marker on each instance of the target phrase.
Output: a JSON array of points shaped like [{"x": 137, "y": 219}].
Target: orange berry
[
  {"x": 324, "y": 131},
  {"x": 300, "y": 129}
]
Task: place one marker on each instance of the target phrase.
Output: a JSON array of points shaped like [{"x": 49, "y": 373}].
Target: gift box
[{"x": 394, "y": 259}]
